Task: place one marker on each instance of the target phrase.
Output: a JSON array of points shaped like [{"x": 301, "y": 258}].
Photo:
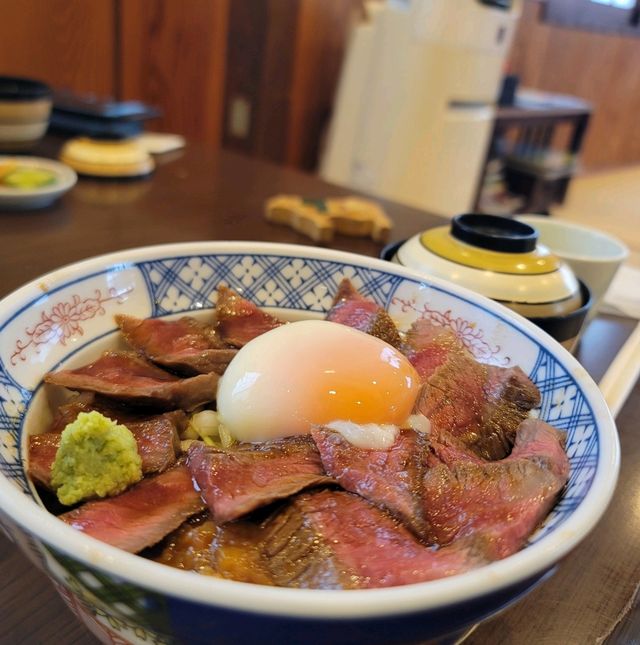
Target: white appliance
[{"x": 415, "y": 101}]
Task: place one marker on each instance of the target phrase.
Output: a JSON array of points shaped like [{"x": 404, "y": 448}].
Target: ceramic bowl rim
[
  {"x": 536, "y": 559},
  {"x": 28, "y": 89},
  {"x": 623, "y": 249}
]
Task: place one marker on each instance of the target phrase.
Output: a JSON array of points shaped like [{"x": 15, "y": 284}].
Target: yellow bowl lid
[{"x": 491, "y": 243}]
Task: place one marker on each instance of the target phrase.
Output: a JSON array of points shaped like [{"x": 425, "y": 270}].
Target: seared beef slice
[
  {"x": 337, "y": 540},
  {"x": 238, "y": 320},
  {"x": 354, "y": 310},
  {"x": 389, "y": 478},
  {"x": 189, "y": 546},
  {"x": 480, "y": 404},
  {"x": 185, "y": 345},
  {"x": 509, "y": 396},
  {"x": 237, "y": 481},
  {"x": 230, "y": 551},
  {"x": 158, "y": 442},
  {"x": 142, "y": 515},
  {"x": 453, "y": 399},
  {"x": 67, "y": 412},
  {"x": 429, "y": 346},
  {"x": 127, "y": 377},
  {"x": 504, "y": 500},
  {"x": 42, "y": 453}
]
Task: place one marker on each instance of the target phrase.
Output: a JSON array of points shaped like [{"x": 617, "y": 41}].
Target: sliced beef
[
  {"x": 185, "y": 345},
  {"x": 236, "y": 481},
  {"x": 296, "y": 554},
  {"x": 390, "y": 478},
  {"x": 230, "y": 551},
  {"x": 453, "y": 400},
  {"x": 393, "y": 478},
  {"x": 133, "y": 417},
  {"x": 354, "y": 310},
  {"x": 429, "y": 346},
  {"x": 543, "y": 445},
  {"x": 509, "y": 396},
  {"x": 127, "y": 377},
  {"x": 189, "y": 546},
  {"x": 66, "y": 413},
  {"x": 156, "y": 437},
  {"x": 141, "y": 516},
  {"x": 504, "y": 501},
  {"x": 337, "y": 540},
  {"x": 446, "y": 449},
  {"x": 238, "y": 320},
  {"x": 482, "y": 405},
  {"x": 158, "y": 442},
  {"x": 42, "y": 453}
]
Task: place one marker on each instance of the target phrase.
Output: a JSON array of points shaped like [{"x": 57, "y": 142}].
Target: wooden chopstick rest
[{"x": 319, "y": 219}]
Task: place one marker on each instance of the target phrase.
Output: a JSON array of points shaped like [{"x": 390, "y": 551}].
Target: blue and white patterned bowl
[{"x": 66, "y": 317}]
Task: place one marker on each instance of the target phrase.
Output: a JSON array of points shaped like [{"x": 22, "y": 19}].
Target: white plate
[{"x": 20, "y": 198}]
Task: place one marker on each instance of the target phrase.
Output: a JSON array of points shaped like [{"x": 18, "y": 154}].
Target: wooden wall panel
[
  {"x": 172, "y": 55},
  {"x": 601, "y": 68},
  {"x": 321, "y": 37},
  {"x": 284, "y": 59},
  {"x": 273, "y": 120},
  {"x": 260, "y": 61},
  {"x": 249, "y": 26},
  {"x": 66, "y": 43}
]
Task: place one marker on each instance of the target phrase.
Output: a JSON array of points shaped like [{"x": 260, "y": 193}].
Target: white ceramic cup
[{"x": 593, "y": 255}]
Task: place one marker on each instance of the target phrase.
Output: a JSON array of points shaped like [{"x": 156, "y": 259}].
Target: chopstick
[{"x": 619, "y": 379}]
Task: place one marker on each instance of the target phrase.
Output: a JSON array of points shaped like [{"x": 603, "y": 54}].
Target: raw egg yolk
[{"x": 313, "y": 372}]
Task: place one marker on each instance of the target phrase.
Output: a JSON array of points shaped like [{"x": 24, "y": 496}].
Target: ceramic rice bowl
[
  {"x": 66, "y": 318},
  {"x": 25, "y": 107}
]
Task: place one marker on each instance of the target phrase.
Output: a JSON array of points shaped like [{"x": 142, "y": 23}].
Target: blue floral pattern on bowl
[{"x": 173, "y": 284}]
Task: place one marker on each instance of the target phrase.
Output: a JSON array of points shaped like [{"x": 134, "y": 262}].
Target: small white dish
[{"x": 15, "y": 198}]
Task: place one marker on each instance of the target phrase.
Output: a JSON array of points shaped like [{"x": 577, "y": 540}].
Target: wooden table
[{"x": 201, "y": 195}]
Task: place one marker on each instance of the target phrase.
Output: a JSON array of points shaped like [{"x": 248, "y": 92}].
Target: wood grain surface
[
  {"x": 195, "y": 194},
  {"x": 69, "y": 44},
  {"x": 320, "y": 39},
  {"x": 284, "y": 60},
  {"x": 259, "y": 56},
  {"x": 173, "y": 55},
  {"x": 202, "y": 195}
]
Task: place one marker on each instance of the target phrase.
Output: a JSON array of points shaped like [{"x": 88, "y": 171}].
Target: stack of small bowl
[{"x": 25, "y": 108}]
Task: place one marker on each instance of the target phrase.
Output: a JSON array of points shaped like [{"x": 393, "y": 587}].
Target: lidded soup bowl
[{"x": 502, "y": 259}]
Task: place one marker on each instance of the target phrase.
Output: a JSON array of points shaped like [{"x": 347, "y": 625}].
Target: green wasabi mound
[{"x": 97, "y": 457}]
